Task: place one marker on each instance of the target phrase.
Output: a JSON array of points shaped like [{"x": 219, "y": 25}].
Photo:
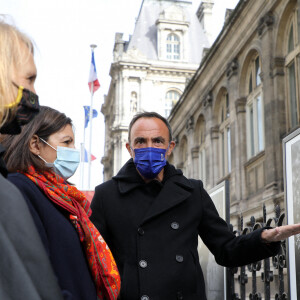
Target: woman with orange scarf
[{"x": 41, "y": 159}]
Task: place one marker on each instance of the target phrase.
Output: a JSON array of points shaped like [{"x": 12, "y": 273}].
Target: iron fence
[{"x": 245, "y": 283}]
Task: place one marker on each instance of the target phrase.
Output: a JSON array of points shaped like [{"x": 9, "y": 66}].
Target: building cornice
[{"x": 162, "y": 69}]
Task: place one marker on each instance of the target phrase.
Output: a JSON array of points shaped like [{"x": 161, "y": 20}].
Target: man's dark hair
[
  {"x": 18, "y": 156},
  {"x": 149, "y": 115}
]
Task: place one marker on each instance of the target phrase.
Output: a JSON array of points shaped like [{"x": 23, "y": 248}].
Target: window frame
[
  {"x": 224, "y": 141},
  {"x": 174, "y": 45},
  {"x": 170, "y": 102},
  {"x": 255, "y": 110},
  {"x": 292, "y": 58}
]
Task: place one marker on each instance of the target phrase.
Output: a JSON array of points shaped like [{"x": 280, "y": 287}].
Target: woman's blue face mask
[
  {"x": 67, "y": 161},
  {"x": 150, "y": 161}
]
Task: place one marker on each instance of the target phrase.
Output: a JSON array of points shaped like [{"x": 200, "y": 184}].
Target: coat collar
[
  {"x": 128, "y": 178},
  {"x": 175, "y": 191},
  {"x": 176, "y": 187}
]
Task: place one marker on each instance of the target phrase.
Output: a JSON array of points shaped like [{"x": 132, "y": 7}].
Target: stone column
[
  {"x": 233, "y": 93},
  {"x": 209, "y": 166},
  {"x": 214, "y": 136},
  {"x": 190, "y": 141},
  {"x": 272, "y": 130},
  {"x": 241, "y": 149},
  {"x": 195, "y": 162}
]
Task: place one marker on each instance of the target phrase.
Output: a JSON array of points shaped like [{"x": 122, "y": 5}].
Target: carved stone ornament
[
  {"x": 208, "y": 100},
  {"x": 240, "y": 105},
  {"x": 214, "y": 132},
  {"x": 232, "y": 68},
  {"x": 266, "y": 21},
  {"x": 190, "y": 123}
]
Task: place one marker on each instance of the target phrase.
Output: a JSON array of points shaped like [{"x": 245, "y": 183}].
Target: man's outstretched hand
[{"x": 280, "y": 233}]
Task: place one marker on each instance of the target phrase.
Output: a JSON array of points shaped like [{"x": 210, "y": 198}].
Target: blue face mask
[
  {"x": 150, "y": 161},
  {"x": 66, "y": 162}
]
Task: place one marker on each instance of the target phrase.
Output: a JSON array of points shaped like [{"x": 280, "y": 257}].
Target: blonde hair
[{"x": 11, "y": 41}]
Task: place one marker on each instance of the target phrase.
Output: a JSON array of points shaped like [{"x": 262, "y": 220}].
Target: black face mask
[{"x": 27, "y": 106}]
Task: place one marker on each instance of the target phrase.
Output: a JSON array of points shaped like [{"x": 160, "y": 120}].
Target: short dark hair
[
  {"x": 149, "y": 115},
  {"x": 18, "y": 156}
]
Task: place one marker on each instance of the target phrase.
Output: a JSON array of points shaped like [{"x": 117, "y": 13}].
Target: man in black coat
[{"x": 151, "y": 215}]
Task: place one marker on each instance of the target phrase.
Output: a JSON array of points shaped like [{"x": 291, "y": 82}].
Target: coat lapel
[{"x": 172, "y": 194}]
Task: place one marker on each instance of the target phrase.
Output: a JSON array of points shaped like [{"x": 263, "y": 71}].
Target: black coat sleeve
[
  {"x": 97, "y": 216},
  {"x": 229, "y": 250}
]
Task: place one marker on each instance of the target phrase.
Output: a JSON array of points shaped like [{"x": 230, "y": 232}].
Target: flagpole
[
  {"x": 93, "y": 46},
  {"x": 82, "y": 162},
  {"x": 82, "y": 147}
]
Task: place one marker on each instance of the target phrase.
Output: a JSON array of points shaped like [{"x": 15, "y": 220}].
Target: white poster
[
  {"x": 214, "y": 274},
  {"x": 291, "y": 150}
]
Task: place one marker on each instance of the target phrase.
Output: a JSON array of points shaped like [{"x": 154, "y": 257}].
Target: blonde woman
[{"x": 25, "y": 269}]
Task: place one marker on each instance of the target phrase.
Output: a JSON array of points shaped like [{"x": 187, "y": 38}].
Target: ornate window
[
  {"x": 224, "y": 136},
  {"x": 173, "y": 47},
  {"x": 292, "y": 64},
  {"x": 254, "y": 109},
  {"x": 171, "y": 99}
]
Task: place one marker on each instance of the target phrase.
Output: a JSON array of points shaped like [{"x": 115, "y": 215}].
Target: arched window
[
  {"x": 173, "y": 47},
  {"x": 255, "y": 109},
  {"x": 224, "y": 136},
  {"x": 171, "y": 99},
  {"x": 292, "y": 64}
]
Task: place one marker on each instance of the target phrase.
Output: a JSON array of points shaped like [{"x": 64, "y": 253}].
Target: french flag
[
  {"x": 93, "y": 157},
  {"x": 93, "y": 76}
]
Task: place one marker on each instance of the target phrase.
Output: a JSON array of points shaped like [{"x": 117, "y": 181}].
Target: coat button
[
  {"x": 143, "y": 264},
  {"x": 179, "y": 258},
  {"x": 145, "y": 297},
  {"x": 141, "y": 231},
  {"x": 175, "y": 225}
]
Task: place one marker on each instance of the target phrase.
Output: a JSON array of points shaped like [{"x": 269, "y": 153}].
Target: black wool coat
[
  {"x": 60, "y": 240},
  {"x": 25, "y": 269},
  {"x": 152, "y": 230}
]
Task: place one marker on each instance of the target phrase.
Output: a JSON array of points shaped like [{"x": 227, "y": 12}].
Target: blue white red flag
[
  {"x": 87, "y": 115},
  {"x": 93, "y": 76},
  {"x": 93, "y": 157}
]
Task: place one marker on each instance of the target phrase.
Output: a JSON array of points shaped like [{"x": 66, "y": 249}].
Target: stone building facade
[
  {"x": 151, "y": 70},
  {"x": 242, "y": 101},
  {"x": 232, "y": 117}
]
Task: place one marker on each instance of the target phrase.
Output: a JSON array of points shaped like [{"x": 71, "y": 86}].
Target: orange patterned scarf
[{"x": 101, "y": 262}]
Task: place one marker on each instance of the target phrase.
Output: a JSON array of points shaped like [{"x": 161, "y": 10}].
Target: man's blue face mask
[{"x": 150, "y": 161}]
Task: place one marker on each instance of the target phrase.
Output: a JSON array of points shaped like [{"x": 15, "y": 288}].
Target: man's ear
[
  {"x": 35, "y": 145},
  {"x": 129, "y": 149},
  {"x": 171, "y": 147}
]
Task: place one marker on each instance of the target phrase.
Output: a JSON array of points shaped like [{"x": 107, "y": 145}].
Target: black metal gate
[{"x": 264, "y": 279}]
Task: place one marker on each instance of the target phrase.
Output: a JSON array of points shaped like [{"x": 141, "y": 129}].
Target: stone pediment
[
  {"x": 173, "y": 13},
  {"x": 134, "y": 54}
]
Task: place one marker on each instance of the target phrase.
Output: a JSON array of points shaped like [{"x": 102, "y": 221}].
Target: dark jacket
[
  {"x": 60, "y": 240},
  {"x": 25, "y": 269},
  {"x": 152, "y": 230}
]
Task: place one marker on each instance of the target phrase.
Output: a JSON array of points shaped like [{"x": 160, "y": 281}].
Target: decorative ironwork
[{"x": 276, "y": 291}]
